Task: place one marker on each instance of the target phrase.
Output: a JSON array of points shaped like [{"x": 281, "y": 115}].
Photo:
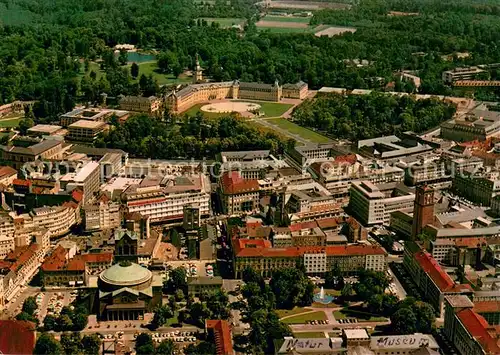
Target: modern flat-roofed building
[
  {"x": 165, "y": 200},
  {"x": 373, "y": 204},
  {"x": 91, "y": 114},
  {"x": 103, "y": 214},
  {"x": 87, "y": 178},
  {"x": 201, "y": 284},
  {"x": 41, "y": 130},
  {"x": 464, "y": 73},
  {"x": 426, "y": 173},
  {"x": 391, "y": 147},
  {"x": 477, "y": 124},
  {"x": 85, "y": 131}
]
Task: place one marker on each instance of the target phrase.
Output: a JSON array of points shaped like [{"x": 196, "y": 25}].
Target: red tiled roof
[
  {"x": 487, "y": 307},
  {"x": 56, "y": 260},
  {"x": 70, "y": 204},
  {"x": 328, "y": 223},
  {"x": 76, "y": 264},
  {"x": 470, "y": 242},
  {"x": 478, "y": 328},
  {"x": 349, "y": 158},
  {"x": 98, "y": 257},
  {"x": 431, "y": 267},
  {"x": 232, "y": 183},
  {"x": 20, "y": 255},
  {"x": 290, "y": 252},
  {"x": 77, "y": 195},
  {"x": 304, "y": 225},
  {"x": 222, "y": 335},
  {"x": 146, "y": 202},
  {"x": 6, "y": 171},
  {"x": 17, "y": 337},
  {"x": 21, "y": 182}
]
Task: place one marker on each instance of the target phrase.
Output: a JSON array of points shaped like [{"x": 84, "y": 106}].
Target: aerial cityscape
[{"x": 222, "y": 177}]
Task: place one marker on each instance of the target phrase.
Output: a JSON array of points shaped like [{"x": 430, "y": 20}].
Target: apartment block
[
  {"x": 87, "y": 178},
  {"x": 463, "y": 73},
  {"x": 373, "y": 204},
  {"x": 163, "y": 200},
  {"x": 238, "y": 195},
  {"x": 103, "y": 214}
]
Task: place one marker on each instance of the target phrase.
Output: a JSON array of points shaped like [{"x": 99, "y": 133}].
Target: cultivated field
[
  {"x": 334, "y": 31},
  {"x": 305, "y": 5}
]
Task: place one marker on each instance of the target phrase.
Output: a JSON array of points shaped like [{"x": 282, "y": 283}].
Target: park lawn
[
  {"x": 172, "y": 320},
  {"x": 224, "y": 22},
  {"x": 151, "y": 68},
  {"x": 10, "y": 122},
  {"x": 303, "y": 318},
  {"x": 270, "y": 109},
  {"x": 286, "y": 29},
  {"x": 193, "y": 111},
  {"x": 299, "y": 130},
  {"x": 339, "y": 315},
  {"x": 289, "y": 312},
  {"x": 302, "y": 335},
  {"x": 287, "y": 19}
]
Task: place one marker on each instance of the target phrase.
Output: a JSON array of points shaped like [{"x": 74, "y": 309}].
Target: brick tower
[{"x": 423, "y": 210}]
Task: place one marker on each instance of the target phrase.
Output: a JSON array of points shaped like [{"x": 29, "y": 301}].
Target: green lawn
[
  {"x": 287, "y": 19},
  {"x": 302, "y": 318},
  {"x": 360, "y": 316},
  {"x": 225, "y": 22},
  {"x": 289, "y": 312},
  {"x": 146, "y": 68},
  {"x": 271, "y": 109},
  {"x": 285, "y": 29},
  {"x": 10, "y": 122},
  {"x": 303, "y": 335},
  {"x": 298, "y": 130}
]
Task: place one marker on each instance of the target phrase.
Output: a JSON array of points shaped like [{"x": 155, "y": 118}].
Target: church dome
[{"x": 125, "y": 274}]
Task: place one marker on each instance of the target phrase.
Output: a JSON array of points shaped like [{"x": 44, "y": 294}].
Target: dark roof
[{"x": 77, "y": 148}]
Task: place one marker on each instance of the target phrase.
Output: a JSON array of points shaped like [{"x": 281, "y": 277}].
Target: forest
[
  {"x": 196, "y": 137},
  {"x": 46, "y": 46},
  {"x": 367, "y": 116}
]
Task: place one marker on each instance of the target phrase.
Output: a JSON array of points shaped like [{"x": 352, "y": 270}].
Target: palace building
[{"x": 191, "y": 95}]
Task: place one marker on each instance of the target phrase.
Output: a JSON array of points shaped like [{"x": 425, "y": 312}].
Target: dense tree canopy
[{"x": 367, "y": 116}]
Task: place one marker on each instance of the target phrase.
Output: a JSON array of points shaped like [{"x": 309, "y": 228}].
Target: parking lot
[{"x": 52, "y": 302}]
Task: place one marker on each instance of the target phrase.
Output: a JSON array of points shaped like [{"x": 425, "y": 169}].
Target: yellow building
[
  {"x": 85, "y": 131},
  {"x": 198, "y": 93}
]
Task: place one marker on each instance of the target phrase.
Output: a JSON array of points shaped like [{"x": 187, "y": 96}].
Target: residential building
[
  {"x": 433, "y": 282},
  {"x": 219, "y": 331},
  {"x": 238, "y": 195},
  {"x": 164, "y": 200},
  {"x": 103, "y": 214},
  {"x": 59, "y": 269},
  {"x": 151, "y": 105},
  {"x": 478, "y": 189},
  {"x": 7, "y": 175},
  {"x": 87, "y": 178},
  {"x": 461, "y": 73},
  {"x": 56, "y": 219},
  {"x": 85, "y": 131},
  {"x": 191, "y": 218},
  {"x": 17, "y": 157},
  {"x": 468, "y": 331},
  {"x": 111, "y": 165},
  {"x": 264, "y": 259},
  {"x": 6, "y": 235},
  {"x": 373, "y": 204},
  {"x": 489, "y": 310},
  {"x": 203, "y": 284}
]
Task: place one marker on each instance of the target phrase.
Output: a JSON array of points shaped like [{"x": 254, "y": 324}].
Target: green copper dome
[{"x": 125, "y": 274}]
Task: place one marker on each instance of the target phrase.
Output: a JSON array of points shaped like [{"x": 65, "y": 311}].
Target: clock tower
[{"x": 423, "y": 210}]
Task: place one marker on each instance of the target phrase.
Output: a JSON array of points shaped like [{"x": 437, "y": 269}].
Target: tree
[
  {"x": 291, "y": 288},
  {"x": 144, "y": 344},
  {"x": 347, "y": 290},
  {"x": 334, "y": 279},
  {"x": 177, "y": 280},
  {"x": 404, "y": 321},
  {"x": 202, "y": 348},
  {"x": 166, "y": 347},
  {"x": 370, "y": 283},
  {"x": 47, "y": 345},
  {"x": 71, "y": 343},
  {"x": 123, "y": 57},
  {"x": 161, "y": 316},
  {"x": 25, "y": 124},
  {"x": 91, "y": 344},
  {"x": 49, "y": 322},
  {"x": 250, "y": 275},
  {"x": 179, "y": 295},
  {"x": 134, "y": 70},
  {"x": 64, "y": 322},
  {"x": 80, "y": 321}
]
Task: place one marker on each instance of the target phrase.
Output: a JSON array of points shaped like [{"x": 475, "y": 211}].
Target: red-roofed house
[
  {"x": 59, "y": 270},
  {"x": 238, "y": 195},
  {"x": 490, "y": 310},
  {"x": 317, "y": 260},
  {"x": 467, "y": 330},
  {"x": 220, "y": 331},
  {"x": 7, "y": 175},
  {"x": 433, "y": 282},
  {"x": 17, "y": 337}
]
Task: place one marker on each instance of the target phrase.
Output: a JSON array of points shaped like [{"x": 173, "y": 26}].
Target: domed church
[{"x": 127, "y": 291}]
